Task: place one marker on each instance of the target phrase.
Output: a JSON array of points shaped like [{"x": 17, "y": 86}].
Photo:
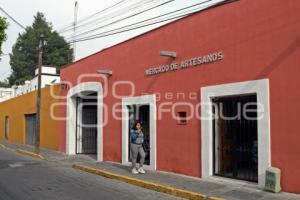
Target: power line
[
  {"x": 112, "y": 15},
  {"x": 174, "y": 17},
  {"x": 69, "y": 27},
  {"x": 149, "y": 24},
  {"x": 105, "y": 9},
  {"x": 95, "y": 14},
  {"x": 153, "y": 23},
  {"x": 125, "y": 18},
  {"x": 156, "y": 17},
  {"x": 90, "y": 38},
  {"x": 109, "y": 16},
  {"x": 115, "y": 14},
  {"x": 13, "y": 19}
]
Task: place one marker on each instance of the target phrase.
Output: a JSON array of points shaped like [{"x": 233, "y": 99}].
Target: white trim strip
[
  {"x": 71, "y": 116},
  {"x": 140, "y": 100}
]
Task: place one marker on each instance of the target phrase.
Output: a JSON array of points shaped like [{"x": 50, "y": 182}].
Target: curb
[
  {"x": 215, "y": 198},
  {"x": 29, "y": 153},
  {"x": 146, "y": 184},
  {"x": 3, "y": 146}
]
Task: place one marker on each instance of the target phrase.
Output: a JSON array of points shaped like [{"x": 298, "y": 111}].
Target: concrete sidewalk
[{"x": 210, "y": 187}]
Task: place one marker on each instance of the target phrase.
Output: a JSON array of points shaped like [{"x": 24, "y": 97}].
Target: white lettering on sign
[{"x": 214, "y": 57}]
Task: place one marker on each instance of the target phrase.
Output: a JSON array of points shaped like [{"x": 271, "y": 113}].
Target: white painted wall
[
  {"x": 46, "y": 70},
  {"x": 48, "y": 77},
  {"x": 6, "y": 93}
]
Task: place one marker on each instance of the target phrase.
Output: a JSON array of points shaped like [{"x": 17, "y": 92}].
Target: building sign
[{"x": 214, "y": 57}]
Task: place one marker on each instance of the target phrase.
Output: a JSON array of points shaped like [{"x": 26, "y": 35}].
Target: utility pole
[
  {"x": 38, "y": 96},
  {"x": 74, "y": 29}
]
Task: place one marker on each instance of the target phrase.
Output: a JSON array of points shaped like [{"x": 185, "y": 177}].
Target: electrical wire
[
  {"x": 93, "y": 15},
  {"x": 173, "y": 17},
  {"x": 81, "y": 24},
  {"x": 125, "y": 18},
  {"x": 91, "y": 24},
  {"x": 169, "y": 18},
  {"x": 156, "y": 17},
  {"x": 110, "y": 16},
  {"x": 13, "y": 19}
]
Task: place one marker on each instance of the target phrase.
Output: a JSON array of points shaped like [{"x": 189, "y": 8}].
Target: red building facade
[{"x": 237, "y": 53}]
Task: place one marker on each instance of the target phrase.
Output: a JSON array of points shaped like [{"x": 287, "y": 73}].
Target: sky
[{"x": 61, "y": 13}]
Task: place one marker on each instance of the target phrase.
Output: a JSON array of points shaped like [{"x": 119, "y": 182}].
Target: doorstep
[{"x": 210, "y": 187}]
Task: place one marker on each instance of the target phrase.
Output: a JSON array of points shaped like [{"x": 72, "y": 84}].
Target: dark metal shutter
[
  {"x": 30, "y": 128},
  {"x": 235, "y": 138},
  {"x": 89, "y": 129}
]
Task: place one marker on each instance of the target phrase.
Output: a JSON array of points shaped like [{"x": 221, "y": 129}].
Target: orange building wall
[{"x": 16, "y": 109}]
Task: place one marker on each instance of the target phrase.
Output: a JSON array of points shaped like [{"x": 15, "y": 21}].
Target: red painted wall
[{"x": 259, "y": 39}]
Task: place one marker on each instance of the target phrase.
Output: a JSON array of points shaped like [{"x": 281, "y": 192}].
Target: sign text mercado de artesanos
[{"x": 196, "y": 61}]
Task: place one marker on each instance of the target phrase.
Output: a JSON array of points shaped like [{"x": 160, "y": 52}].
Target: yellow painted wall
[{"x": 18, "y": 107}]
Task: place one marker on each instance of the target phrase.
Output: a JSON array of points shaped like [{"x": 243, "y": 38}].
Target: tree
[
  {"x": 4, "y": 84},
  {"x": 3, "y": 27},
  {"x": 3, "y": 36},
  {"x": 24, "y": 56}
]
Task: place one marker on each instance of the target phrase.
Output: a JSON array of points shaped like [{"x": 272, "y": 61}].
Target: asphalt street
[{"x": 26, "y": 178}]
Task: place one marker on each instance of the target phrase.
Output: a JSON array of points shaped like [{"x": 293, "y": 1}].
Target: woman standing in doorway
[{"x": 136, "y": 148}]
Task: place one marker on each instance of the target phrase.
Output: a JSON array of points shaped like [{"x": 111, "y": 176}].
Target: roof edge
[{"x": 147, "y": 32}]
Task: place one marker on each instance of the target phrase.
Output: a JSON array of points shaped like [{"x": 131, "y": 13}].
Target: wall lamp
[
  {"x": 105, "y": 72},
  {"x": 171, "y": 54}
]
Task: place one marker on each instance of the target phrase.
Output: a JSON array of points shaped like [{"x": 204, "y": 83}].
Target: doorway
[
  {"x": 30, "y": 132},
  {"x": 235, "y": 137},
  {"x": 6, "y": 127},
  {"x": 141, "y": 108},
  {"x": 258, "y": 87},
  {"x": 81, "y": 90},
  {"x": 86, "y": 123},
  {"x": 140, "y": 113}
]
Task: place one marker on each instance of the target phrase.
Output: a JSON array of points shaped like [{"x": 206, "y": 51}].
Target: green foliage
[
  {"x": 24, "y": 56},
  {"x": 4, "y": 84},
  {"x": 3, "y": 27}
]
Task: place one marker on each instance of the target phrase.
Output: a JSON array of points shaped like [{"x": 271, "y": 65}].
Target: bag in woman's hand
[{"x": 146, "y": 146}]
